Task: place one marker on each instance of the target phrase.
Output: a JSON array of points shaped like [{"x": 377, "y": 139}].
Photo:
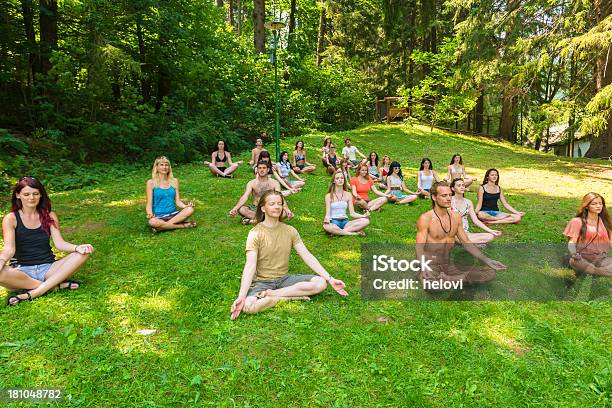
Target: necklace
[
  {"x": 450, "y": 222},
  {"x": 339, "y": 198}
]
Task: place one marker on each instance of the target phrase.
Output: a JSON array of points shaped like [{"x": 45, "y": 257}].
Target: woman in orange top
[
  {"x": 361, "y": 186},
  {"x": 590, "y": 236}
]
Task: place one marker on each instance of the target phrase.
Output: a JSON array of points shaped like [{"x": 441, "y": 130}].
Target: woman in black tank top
[
  {"x": 26, "y": 232},
  {"x": 488, "y": 194},
  {"x": 220, "y": 163}
]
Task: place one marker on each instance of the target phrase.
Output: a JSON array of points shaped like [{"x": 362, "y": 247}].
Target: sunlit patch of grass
[
  {"x": 348, "y": 255},
  {"x": 125, "y": 203}
]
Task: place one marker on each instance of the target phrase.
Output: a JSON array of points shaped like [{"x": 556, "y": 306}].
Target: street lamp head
[{"x": 275, "y": 25}]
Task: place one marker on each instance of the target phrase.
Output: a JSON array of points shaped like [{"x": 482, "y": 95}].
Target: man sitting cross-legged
[
  {"x": 257, "y": 187},
  {"x": 265, "y": 281},
  {"x": 436, "y": 233}
]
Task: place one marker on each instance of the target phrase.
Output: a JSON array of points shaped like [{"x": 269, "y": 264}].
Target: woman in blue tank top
[
  {"x": 165, "y": 210},
  {"x": 26, "y": 231},
  {"x": 488, "y": 195}
]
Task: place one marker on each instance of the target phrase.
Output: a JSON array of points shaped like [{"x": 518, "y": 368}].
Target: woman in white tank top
[
  {"x": 465, "y": 207},
  {"x": 337, "y": 201},
  {"x": 425, "y": 178}
]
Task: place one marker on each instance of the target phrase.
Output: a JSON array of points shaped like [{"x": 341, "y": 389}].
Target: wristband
[
  {"x": 329, "y": 279},
  {"x": 75, "y": 248}
]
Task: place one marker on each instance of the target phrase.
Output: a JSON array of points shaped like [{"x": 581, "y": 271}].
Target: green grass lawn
[{"x": 331, "y": 351}]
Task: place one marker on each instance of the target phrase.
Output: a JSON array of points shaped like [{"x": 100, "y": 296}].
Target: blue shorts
[
  {"x": 492, "y": 213},
  {"x": 37, "y": 272},
  {"x": 341, "y": 223},
  {"x": 399, "y": 194},
  {"x": 167, "y": 217}
]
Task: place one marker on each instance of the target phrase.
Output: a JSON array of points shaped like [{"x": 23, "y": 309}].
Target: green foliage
[
  {"x": 438, "y": 98},
  {"x": 598, "y": 112}
]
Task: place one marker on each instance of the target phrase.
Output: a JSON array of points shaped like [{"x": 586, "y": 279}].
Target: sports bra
[
  {"x": 219, "y": 160},
  {"x": 458, "y": 174}
]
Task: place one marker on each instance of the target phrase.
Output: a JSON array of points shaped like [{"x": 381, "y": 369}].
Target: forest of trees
[{"x": 121, "y": 80}]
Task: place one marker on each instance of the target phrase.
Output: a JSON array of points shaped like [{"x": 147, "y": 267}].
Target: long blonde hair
[{"x": 155, "y": 174}]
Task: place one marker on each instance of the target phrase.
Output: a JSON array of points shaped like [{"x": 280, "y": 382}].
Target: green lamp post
[{"x": 275, "y": 27}]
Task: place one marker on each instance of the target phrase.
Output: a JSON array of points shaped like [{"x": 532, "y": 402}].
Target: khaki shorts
[{"x": 284, "y": 282}]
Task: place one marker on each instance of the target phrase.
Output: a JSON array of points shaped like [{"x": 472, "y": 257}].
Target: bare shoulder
[
  {"x": 150, "y": 183},
  {"x": 425, "y": 218},
  {"x": 53, "y": 216},
  {"x": 9, "y": 220}
]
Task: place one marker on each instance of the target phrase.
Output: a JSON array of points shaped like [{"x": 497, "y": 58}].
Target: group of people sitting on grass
[{"x": 30, "y": 269}]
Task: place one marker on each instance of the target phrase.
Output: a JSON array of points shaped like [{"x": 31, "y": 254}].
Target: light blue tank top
[
  {"x": 338, "y": 210},
  {"x": 163, "y": 201}
]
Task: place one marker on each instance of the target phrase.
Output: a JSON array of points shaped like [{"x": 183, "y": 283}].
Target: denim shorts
[
  {"x": 167, "y": 217},
  {"x": 492, "y": 213},
  {"x": 341, "y": 223},
  {"x": 37, "y": 272}
]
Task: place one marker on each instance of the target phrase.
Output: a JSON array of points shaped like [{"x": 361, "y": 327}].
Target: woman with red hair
[
  {"x": 590, "y": 237},
  {"x": 26, "y": 230}
]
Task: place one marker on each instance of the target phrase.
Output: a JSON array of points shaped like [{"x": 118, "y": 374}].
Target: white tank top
[{"x": 338, "y": 209}]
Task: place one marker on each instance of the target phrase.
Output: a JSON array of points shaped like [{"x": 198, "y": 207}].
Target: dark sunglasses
[{"x": 27, "y": 177}]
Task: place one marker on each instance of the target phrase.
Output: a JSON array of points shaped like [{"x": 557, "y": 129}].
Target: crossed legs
[
  {"x": 598, "y": 268},
  {"x": 216, "y": 172},
  {"x": 408, "y": 199},
  {"x": 502, "y": 218},
  {"x": 353, "y": 227},
  {"x": 247, "y": 213},
  {"x": 178, "y": 221},
  {"x": 13, "y": 278},
  {"x": 271, "y": 297}
]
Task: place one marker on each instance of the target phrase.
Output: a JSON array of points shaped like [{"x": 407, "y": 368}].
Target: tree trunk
[
  {"x": 601, "y": 146},
  {"x": 506, "y": 120},
  {"x": 145, "y": 87},
  {"x": 48, "y": 32},
  {"x": 292, "y": 12},
  {"x": 321, "y": 38},
  {"x": 163, "y": 73},
  {"x": 28, "y": 24},
  {"x": 163, "y": 86},
  {"x": 479, "y": 114},
  {"x": 239, "y": 20},
  {"x": 259, "y": 16},
  {"x": 219, "y": 3},
  {"x": 232, "y": 21}
]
